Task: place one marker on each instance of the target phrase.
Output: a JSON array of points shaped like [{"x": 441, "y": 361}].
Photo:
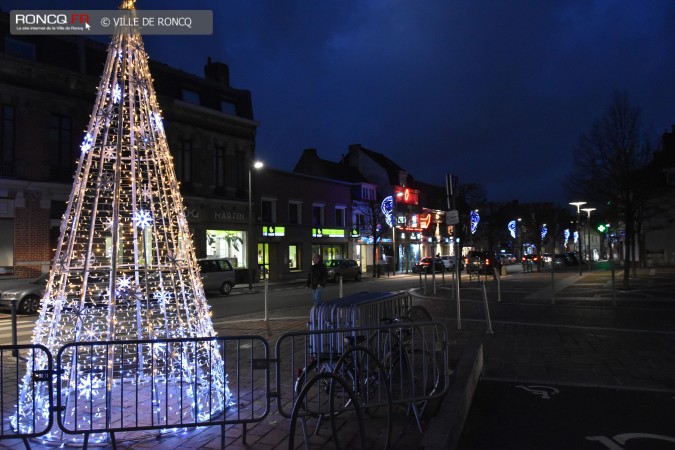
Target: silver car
[
  {"x": 217, "y": 275},
  {"x": 26, "y": 292}
]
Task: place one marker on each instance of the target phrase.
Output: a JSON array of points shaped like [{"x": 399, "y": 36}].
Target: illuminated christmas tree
[{"x": 125, "y": 268}]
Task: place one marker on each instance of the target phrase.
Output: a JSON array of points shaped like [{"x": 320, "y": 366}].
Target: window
[
  {"x": 268, "y": 210},
  {"x": 229, "y": 244},
  {"x": 7, "y": 126},
  {"x": 190, "y": 96},
  {"x": 61, "y": 142},
  {"x": 295, "y": 213},
  {"x": 359, "y": 221},
  {"x": 183, "y": 161},
  {"x": 340, "y": 216},
  {"x": 219, "y": 166},
  {"x": 368, "y": 193},
  {"x": 317, "y": 215},
  {"x": 293, "y": 257}
]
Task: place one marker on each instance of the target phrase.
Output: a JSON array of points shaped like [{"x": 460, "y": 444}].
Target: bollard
[
  {"x": 459, "y": 312},
  {"x": 339, "y": 287},
  {"x": 266, "y": 289},
  {"x": 487, "y": 311},
  {"x": 553, "y": 284},
  {"x": 426, "y": 283},
  {"x": 498, "y": 277},
  {"x": 613, "y": 287}
]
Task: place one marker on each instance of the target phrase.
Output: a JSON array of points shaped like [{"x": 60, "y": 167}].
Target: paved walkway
[{"x": 587, "y": 354}]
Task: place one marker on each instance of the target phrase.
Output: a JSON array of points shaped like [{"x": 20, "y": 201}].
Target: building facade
[{"x": 47, "y": 91}]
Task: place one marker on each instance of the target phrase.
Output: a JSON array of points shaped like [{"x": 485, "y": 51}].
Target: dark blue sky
[{"x": 496, "y": 92}]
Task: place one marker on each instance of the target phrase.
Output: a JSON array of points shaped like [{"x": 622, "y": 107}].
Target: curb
[{"x": 447, "y": 423}]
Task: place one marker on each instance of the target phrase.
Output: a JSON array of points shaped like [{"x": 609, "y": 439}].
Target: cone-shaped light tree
[{"x": 125, "y": 267}]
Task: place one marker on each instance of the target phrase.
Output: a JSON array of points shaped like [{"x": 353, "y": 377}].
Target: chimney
[{"x": 217, "y": 71}]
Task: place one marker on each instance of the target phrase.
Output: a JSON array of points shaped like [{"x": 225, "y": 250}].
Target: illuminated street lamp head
[
  {"x": 588, "y": 210},
  {"x": 258, "y": 165},
  {"x": 578, "y": 205}
]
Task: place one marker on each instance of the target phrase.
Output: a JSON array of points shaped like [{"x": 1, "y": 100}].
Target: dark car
[
  {"x": 424, "y": 266},
  {"x": 573, "y": 258},
  {"x": 347, "y": 269},
  {"x": 530, "y": 262},
  {"x": 479, "y": 262},
  {"x": 27, "y": 294}
]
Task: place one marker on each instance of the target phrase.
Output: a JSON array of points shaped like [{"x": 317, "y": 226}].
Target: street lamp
[
  {"x": 579, "y": 205},
  {"x": 256, "y": 165},
  {"x": 588, "y": 245}
]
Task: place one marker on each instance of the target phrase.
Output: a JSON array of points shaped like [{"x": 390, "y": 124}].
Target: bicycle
[
  {"x": 408, "y": 354},
  {"x": 361, "y": 378}
]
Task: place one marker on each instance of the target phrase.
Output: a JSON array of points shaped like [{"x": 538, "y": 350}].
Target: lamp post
[
  {"x": 256, "y": 165},
  {"x": 579, "y": 205},
  {"x": 588, "y": 225}
]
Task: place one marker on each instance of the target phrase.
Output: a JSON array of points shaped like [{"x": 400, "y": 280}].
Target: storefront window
[
  {"x": 330, "y": 251},
  {"x": 293, "y": 257},
  {"x": 227, "y": 244}
]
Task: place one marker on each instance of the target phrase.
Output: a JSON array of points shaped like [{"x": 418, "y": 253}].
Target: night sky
[{"x": 496, "y": 92}]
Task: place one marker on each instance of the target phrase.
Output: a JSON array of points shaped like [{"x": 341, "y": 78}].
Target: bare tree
[
  {"x": 607, "y": 162},
  {"x": 374, "y": 224}
]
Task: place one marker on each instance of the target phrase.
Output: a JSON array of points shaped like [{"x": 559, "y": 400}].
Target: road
[{"x": 245, "y": 302}]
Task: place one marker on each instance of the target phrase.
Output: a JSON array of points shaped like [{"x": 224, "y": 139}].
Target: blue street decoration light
[
  {"x": 475, "y": 218},
  {"x": 567, "y": 235},
  {"x": 512, "y": 228},
  {"x": 576, "y": 237},
  {"x": 388, "y": 209},
  {"x": 544, "y": 231}
]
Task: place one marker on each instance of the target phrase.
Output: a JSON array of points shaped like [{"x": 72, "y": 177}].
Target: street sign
[{"x": 452, "y": 217}]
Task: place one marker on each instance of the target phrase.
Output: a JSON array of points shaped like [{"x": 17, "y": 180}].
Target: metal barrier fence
[
  {"x": 122, "y": 389},
  {"x": 14, "y": 361},
  {"x": 126, "y": 387},
  {"x": 401, "y": 363},
  {"x": 365, "y": 309}
]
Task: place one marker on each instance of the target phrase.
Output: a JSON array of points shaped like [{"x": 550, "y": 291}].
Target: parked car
[
  {"x": 424, "y": 266},
  {"x": 347, "y": 269},
  {"x": 573, "y": 257},
  {"x": 479, "y": 262},
  {"x": 26, "y": 292},
  {"x": 449, "y": 262},
  {"x": 217, "y": 275}
]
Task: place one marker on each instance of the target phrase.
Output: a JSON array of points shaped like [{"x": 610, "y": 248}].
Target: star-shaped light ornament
[{"x": 142, "y": 219}]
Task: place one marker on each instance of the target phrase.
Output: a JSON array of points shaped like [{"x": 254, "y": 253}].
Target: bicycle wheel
[
  {"x": 368, "y": 381},
  {"x": 315, "y": 402},
  {"x": 368, "y": 377},
  {"x": 422, "y": 357},
  {"x": 386, "y": 345}
]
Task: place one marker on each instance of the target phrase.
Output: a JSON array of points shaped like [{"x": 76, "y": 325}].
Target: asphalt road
[{"x": 522, "y": 416}]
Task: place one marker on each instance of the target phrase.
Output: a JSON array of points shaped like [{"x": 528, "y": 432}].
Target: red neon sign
[{"x": 406, "y": 195}]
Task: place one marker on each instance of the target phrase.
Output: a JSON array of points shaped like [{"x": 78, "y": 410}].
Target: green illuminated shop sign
[
  {"x": 273, "y": 231},
  {"x": 328, "y": 232}
]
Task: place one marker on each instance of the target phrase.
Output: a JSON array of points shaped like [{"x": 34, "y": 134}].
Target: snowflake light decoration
[
  {"x": 87, "y": 142},
  {"x": 142, "y": 218},
  {"x": 116, "y": 93}
]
